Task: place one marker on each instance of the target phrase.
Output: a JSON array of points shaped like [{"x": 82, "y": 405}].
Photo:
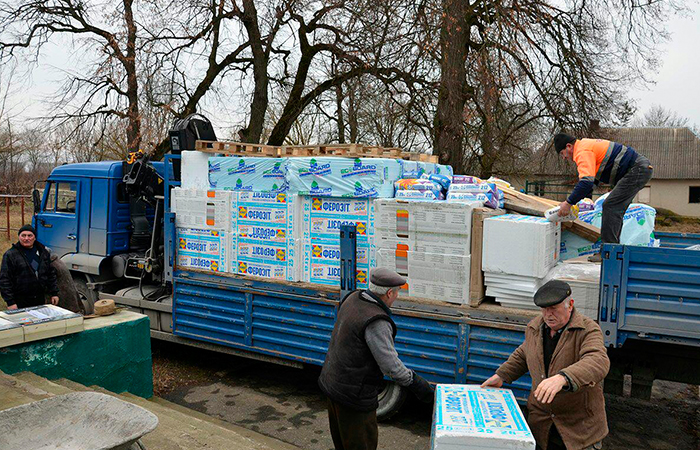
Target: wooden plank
[
  {"x": 536, "y": 206},
  {"x": 477, "y": 290}
]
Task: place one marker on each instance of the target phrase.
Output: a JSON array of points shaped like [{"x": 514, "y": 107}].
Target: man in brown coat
[{"x": 566, "y": 357}]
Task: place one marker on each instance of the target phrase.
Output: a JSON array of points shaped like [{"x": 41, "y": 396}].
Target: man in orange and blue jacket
[{"x": 601, "y": 161}]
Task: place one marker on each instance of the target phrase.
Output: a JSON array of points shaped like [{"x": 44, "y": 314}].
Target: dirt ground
[{"x": 286, "y": 403}]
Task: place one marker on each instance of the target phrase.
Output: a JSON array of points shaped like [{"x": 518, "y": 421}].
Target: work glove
[{"x": 421, "y": 389}]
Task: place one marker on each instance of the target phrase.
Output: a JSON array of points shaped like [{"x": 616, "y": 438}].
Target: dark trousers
[
  {"x": 620, "y": 197},
  {"x": 352, "y": 430}
]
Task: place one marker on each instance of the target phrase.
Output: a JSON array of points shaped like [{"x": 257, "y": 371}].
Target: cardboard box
[
  {"x": 520, "y": 245},
  {"x": 201, "y": 209},
  {"x": 467, "y": 417},
  {"x": 477, "y": 290}
]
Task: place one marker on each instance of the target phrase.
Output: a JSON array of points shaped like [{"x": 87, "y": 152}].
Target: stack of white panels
[
  {"x": 518, "y": 253},
  {"x": 468, "y": 417},
  {"x": 584, "y": 279},
  {"x": 429, "y": 243},
  {"x": 203, "y": 221}
]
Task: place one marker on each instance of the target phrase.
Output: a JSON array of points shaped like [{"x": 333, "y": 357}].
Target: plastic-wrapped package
[
  {"x": 343, "y": 177},
  {"x": 442, "y": 180},
  {"x": 486, "y": 199},
  {"x": 465, "y": 179},
  {"x": 418, "y": 184},
  {"x": 421, "y": 195},
  {"x": 248, "y": 174}
]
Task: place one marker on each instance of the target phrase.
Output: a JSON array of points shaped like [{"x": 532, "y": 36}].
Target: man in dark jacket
[
  {"x": 26, "y": 275},
  {"x": 566, "y": 357},
  {"x": 360, "y": 353}
]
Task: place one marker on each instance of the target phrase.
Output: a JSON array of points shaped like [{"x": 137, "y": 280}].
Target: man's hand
[
  {"x": 549, "y": 387},
  {"x": 494, "y": 381},
  {"x": 564, "y": 209},
  {"x": 54, "y": 300},
  {"x": 12, "y": 307}
]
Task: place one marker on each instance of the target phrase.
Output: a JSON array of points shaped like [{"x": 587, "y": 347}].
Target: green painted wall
[{"x": 115, "y": 357}]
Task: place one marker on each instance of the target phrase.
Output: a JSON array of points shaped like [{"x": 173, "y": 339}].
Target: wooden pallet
[{"x": 339, "y": 150}]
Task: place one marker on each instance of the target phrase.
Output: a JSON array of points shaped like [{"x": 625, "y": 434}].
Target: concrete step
[
  {"x": 179, "y": 428},
  {"x": 210, "y": 433},
  {"x": 14, "y": 392},
  {"x": 273, "y": 443},
  {"x": 43, "y": 383}
]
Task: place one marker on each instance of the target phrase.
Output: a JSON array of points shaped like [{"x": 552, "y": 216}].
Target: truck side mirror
[{"x": 36, "y": 199}]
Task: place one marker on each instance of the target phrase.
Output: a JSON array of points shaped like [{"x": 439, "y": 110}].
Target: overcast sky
[{"x": 677, "y": 85}]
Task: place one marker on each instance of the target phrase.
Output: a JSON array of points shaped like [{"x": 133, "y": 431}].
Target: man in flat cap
[
  {"x": 360, "y": 353},
  {"x": 566, "y": 357},
  {"x": 600, "y": 161}
]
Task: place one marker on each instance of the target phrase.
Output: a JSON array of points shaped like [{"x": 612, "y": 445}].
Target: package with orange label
[
  {"x": 319, "y": 225},
  {"x": 202, "y": 249},
  {"x": 263, "y": 241}
]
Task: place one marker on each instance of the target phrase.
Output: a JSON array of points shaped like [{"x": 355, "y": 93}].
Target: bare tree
[
  {"x": 658, "y": 116},
  {"x": 109, "y": 86},
  {"x": 574, "y": 58}
]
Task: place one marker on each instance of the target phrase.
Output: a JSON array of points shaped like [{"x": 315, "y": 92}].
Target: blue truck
[{"x": 649, "y": 297}]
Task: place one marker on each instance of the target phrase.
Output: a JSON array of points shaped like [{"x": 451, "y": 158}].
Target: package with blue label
[
  {"x": 196, "y": 208},
  {"x": 248, "y": 173},
  {"x": 475, "y": 418},
  {"x": 322, "y": 217},
  {"x": 322, "y": 261},
  {"x": 202, "y": 249},
  {"x": 263, "y": 242},
  {"x": 343, "y": 177},
  {"x": 320, "y": 222}
]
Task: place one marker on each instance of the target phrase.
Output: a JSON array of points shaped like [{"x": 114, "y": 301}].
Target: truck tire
[
  {"x": 87, "y": 296},
  {"x": 391, "y": 399}
]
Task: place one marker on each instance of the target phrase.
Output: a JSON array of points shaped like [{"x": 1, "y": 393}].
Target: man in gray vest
[{"x": 360, "y": 353}]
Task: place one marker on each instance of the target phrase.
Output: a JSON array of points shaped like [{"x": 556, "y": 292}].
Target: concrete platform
[
  {"x": 112, "y": 351},
  {"x": 179, "y": 428}
]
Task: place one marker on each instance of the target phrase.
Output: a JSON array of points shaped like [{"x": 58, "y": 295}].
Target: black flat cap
[
  {"x": 560, "y": 141},
  {"x": 552, "y": 293},
  {"x": 386, "y": 278}
]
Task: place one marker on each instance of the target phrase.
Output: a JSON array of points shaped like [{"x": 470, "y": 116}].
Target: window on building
[{"x": 694, "y": 194}]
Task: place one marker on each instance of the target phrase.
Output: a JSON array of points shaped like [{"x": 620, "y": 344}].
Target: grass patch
[{"x": 667, "y": 220}]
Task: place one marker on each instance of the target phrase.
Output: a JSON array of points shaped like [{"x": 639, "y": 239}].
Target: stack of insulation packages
[
  {"x": 521, "y": 253},
  {"x": 280, "y": 218}
]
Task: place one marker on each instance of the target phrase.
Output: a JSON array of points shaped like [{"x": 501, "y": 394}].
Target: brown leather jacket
[{"x": 579, "y": 412}]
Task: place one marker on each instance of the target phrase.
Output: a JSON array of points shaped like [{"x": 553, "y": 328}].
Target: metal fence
[{"x": 8, "y": 201}]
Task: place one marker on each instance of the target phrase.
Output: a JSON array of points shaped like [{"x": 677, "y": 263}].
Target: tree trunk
[
  {"x": 133, "y": 129},
  {"x": 258, "y": 108},
  {"x": 449, "y": 131},
  {"x": 339, "y": 108}
]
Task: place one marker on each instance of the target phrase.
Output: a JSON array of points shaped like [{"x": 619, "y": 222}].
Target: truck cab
[{"x": 86, "y": 217}]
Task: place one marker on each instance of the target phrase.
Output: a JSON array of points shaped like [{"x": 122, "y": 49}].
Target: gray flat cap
[
  {"x": 552, "y": 293},
  {"x": 386, "y": 278}
]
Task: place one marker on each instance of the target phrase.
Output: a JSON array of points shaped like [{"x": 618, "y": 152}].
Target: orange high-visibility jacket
[{"x": 599, "y": 161}]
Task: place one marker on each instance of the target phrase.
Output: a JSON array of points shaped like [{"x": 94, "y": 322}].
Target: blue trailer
[{"x": 649, "y": 308}]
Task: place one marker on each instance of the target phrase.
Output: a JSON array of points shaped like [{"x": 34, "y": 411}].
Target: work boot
[{"x": 595, "y": 258}]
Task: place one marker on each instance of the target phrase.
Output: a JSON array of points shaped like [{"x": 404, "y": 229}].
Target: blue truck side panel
[
  {"x": 650, "y": 293},
  {"x": 677, "y": 240},
  {"x": 296, "y": 323}
]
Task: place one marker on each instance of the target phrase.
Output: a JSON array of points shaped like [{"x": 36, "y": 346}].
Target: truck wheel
[
  {"x": 86, "y": 295},
  {"x": 391, "y": 398}
]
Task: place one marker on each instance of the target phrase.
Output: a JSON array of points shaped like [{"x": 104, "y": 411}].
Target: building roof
[{"x": 674, "y": 152}]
